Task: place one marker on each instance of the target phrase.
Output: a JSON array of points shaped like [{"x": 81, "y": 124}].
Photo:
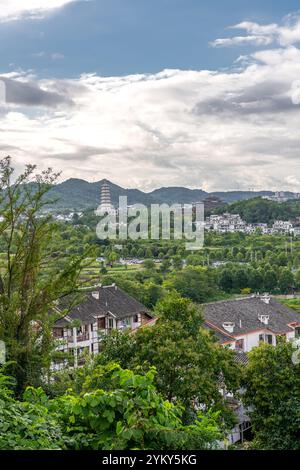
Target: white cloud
[
  {"x": 288, "y": 33},
  {"x": 204, "y": 129},
  {"x": 39, "y": 54},
  {"x": 53, "y": 55},
  {"x": 255, "y": 28},
  {"x": 210, "y": 129},
  {"x": 243, "y": 40},
  {"x": 57, "y": 56},
  {"x": 11, "y": 10}
]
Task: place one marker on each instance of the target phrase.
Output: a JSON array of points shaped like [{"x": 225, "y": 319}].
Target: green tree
[
  {"x": 148, "y": 253},
  {"x": 149, "y": 264},
  {"x": 188, "y": 361},
  {"x": 34, "y": 273},
  {"x": 111, "y": 258},
  {"x": 240, "y": 279},
  {"x": 256, "y": 280},
  {"x": 226, "y": 280},
  {"x": 270, "y": 280},
  {"x": 117, "y": 409},
  {"x": 177, "y": 262},
  {"x": 286, "y": 280},
  {"x": 195, "y": 283},
  {"x": 24, "y": 425},
  {"x": 272, "y": 384}
]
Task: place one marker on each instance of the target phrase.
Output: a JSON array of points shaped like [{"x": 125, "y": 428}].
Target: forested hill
[
  {"x": 77, "y": 194},
  {"x": 262, "y": 210}
]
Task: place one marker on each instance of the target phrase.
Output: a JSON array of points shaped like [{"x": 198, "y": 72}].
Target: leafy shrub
[{"x": 117, "y": 409}]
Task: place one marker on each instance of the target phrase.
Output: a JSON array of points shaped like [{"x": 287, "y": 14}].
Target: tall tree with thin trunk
[{"x": 35, "y": 273}]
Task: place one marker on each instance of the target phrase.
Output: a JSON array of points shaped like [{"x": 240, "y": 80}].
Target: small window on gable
[
  {"x": 266, "y": 338},
  {"x": 239, "y": 344}
]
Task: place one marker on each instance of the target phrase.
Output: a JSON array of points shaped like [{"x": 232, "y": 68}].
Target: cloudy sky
[{"x": 204, "y": 94}]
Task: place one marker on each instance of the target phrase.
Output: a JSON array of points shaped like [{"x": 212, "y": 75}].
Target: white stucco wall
[
  {"x": 290, "y": 335},
  {"x": 251, "y": 340}
]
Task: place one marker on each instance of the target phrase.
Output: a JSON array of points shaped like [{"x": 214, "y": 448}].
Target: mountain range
[{"x": 78, "y": 194}]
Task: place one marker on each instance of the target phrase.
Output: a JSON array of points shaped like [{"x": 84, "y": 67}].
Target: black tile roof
[
  {"x": 112, "y": 300},
  {"x": 221, "y": 336},
  {"x": 244, "y": 313}
]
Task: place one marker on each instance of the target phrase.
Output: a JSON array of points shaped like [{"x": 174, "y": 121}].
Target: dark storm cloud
[
  {"x": 266, "y": 97},
  {"x": 30, "y": 94}
]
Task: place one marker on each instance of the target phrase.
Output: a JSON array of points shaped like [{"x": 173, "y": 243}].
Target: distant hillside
[
  {"x": 77, "y": 194},
  {"x": 232, "y": 196},
  {"x": 261, "y": 210},
  {"x": 177, "y": 195}
]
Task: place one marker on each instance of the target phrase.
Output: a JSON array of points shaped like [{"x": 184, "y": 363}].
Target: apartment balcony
[{"x": 80, "y": 338}]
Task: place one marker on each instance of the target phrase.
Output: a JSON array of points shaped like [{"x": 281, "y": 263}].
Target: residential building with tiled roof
[
  {"x": 103, "y": 309},
  {"x": 243, "y": 323}
]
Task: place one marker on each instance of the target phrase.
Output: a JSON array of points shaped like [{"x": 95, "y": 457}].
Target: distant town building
[
  {"x": 225, "y": 223},
  {"x": 67, "y": 217},
  {"x": 282, "y": 226},
  {"x": 282, "y": 196},
  {"x": 232, "y": 223},
  {"x": 296, "y": 231}
]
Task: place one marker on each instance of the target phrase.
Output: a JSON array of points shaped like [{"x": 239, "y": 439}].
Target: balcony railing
[{"x": 81, "y": 337}]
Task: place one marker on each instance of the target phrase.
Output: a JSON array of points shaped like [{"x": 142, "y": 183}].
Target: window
[
  {"x": 136, "y": 319},
  {"x": 101, "y": 323},
  {"x": 110, "y": 323},
  {"x": 239, "y": 344},
  {"x": 266, "y": 338},
  {"x": 269, "y": 339},
  {"x": 58, "y": 333}
]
